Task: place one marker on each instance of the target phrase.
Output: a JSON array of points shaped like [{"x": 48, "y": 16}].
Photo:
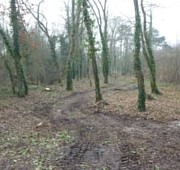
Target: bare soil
[{"x": 62, "y": 130}]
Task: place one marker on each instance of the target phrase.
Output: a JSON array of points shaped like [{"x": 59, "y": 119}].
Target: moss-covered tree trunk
[
  {"x": 9, "y": 49},
  {"x": 148, "y": 52},
  {"x": 69, "y": 83},
  {"x": 103, "y": 35},
  {"x": 105, "y": 47},
  {"x": 21, "y": 81},
  {"x": 72, "y": 31},
  {"x": 105, "y": 61},
  {"x": 69, "y": 76},
  {"x": 137, "y": 62},
  {"x": 92, "y": 50},
  {"x": 78, "y": 40},
  {"x": 13, "y": 84}
]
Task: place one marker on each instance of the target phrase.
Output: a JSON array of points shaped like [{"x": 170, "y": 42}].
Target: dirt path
[
  {"x": 93, "y": 138},
  {"x": 116, "y": 142}
]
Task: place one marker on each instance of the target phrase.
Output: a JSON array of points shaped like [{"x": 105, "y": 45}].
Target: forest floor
[{"x": 59, "y": 130}]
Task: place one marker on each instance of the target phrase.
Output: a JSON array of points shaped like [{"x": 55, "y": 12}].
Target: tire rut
[{"x": 120, "y": 130}]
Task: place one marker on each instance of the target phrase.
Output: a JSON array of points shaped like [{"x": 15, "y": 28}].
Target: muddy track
[
  {"x": 107, "y": 141},
  {"x": 114, "y": 142}
]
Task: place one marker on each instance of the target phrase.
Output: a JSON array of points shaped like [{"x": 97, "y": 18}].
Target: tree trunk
[
  {"x": 105, "y": 47},
  {"x": 103, "y": 36},
  {"x": 137, "y": 62},
  {"x": 13, "y": 84},
  {"x": 72, "y": 33},
  {"x": 105, "y": 63},
  {"x": 9, "y": 49},
  {"x": 69, "y": 83},
  {"x": 92, "y": 50},
  {"x": 21, "y": 81},
  {"x": 148, "y": 53}
]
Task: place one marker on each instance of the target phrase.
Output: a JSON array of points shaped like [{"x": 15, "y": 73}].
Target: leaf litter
[{"x": 68, "y": 130}]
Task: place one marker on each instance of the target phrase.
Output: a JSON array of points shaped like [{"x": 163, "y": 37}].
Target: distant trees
[
  {"x": 51, "y": 38},
  {"x": 41, "y": 69},
  {"x": 120, "y": 46},
  {"x": 168, "y": 61},
  {"x": 157, "y": 40}
]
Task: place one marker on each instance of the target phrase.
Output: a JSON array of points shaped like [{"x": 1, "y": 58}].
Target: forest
[{"x": 99, "y": 92}]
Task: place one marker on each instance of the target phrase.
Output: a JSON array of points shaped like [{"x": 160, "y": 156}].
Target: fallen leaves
[{"x": 31, "y": 120}]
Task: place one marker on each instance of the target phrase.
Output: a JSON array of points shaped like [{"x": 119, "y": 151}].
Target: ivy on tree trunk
[
  {"x": 13, "y": 84},
  {"x": 92, "y": 50},
  {"x": 21, "y": 80},
  {"x": 105, "y": 54},
  {"x": 69, "y": 83},
  {"x": 9, "y": 49},
  {"x": 148, "y": 52},
  {"x": 103, "y": 35},
  {"x": 72, "y": 50},
  {"x": 137, "y": 62}
]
